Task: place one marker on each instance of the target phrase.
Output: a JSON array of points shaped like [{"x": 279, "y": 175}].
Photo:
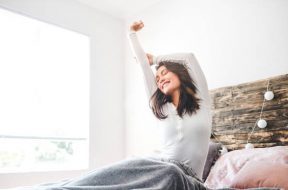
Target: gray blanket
[{"x": 133, "y": 173}]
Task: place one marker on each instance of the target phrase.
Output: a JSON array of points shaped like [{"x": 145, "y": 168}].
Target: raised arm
[
  {"x": 141, "y": 57},
  {"x": 194, "y": 69}
]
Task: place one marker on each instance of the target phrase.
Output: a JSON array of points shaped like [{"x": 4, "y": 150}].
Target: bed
[
  {"x": 229, "y": 166},
  {"x": 236, "y": 110}
]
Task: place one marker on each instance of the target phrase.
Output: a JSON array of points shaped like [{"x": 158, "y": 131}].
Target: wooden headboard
[{"x": 237, "y": 108}]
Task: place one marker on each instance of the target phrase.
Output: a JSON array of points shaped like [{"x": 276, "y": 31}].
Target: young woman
[{"x": 179, "y": 98}]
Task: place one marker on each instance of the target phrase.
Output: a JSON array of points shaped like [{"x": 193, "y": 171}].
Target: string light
[
  {"x": 223, "y": 147},
  {"x": 269, "y": 95},
  {"x": 261, "y": 123}
]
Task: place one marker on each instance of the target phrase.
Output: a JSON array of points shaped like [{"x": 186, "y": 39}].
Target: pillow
[
  {"x": 261, "y": 174},
  {"x": 224, "y": 172},
  {"x": 213, "y": 155}
]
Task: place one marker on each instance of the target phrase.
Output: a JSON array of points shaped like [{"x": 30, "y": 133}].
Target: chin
[{"x": 167, "y": 92}]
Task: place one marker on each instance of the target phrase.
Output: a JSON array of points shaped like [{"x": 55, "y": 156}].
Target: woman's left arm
[{"x": 142, "y": 58}]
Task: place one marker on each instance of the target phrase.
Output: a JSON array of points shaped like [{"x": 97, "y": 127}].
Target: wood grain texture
[{"x": 236, "y": 109}]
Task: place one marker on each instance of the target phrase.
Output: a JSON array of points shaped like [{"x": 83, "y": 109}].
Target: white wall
[
  {"x": 234, "y": 41},
  {"x": 107, "y": 84}
]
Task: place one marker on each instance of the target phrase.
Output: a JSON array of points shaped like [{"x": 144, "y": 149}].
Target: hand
[{"x": 136, "y": 26}]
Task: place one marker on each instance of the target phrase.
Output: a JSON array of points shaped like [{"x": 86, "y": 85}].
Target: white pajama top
[{"x": 183, "y": 139}]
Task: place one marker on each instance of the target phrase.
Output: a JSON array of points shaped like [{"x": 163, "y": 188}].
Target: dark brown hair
[{"x": 188, "y": 102}]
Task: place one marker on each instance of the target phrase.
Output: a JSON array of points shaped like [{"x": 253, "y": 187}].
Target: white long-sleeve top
[{"x": 184, "y": 139}]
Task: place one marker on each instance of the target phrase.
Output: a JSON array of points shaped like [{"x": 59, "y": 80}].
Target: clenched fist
[{"x": 136, "y": 26}]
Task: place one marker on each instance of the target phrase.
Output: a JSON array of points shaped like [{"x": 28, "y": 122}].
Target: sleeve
[
  {"x": 141, "y": 57},
  {"x": 194, "y": 69}
]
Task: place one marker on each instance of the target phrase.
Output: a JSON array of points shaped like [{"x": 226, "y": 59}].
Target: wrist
[{"x": 132, "y": 31}]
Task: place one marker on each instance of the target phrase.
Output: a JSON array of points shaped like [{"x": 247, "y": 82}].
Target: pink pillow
[
  {"x": 261, "y": 174},
  {"x": 224, "y": 172}
]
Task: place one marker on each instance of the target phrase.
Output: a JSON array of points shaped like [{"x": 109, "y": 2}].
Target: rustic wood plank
[
  {"x": 258, "y": 139},
  {"x": 237, "y": 108},
  {"x": 273, "y": 117}
]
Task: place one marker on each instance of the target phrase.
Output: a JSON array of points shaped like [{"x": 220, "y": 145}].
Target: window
[{"x": 44, "y": 96}]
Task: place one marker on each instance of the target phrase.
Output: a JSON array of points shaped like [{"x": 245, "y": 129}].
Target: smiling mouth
[{"x": 165, "y": 84}]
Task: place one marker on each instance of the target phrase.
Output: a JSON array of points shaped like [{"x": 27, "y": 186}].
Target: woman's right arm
[{"x": 141, "y": 57}]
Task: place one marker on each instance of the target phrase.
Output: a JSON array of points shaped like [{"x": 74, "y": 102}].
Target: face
[{"x": 167, "y": 81}]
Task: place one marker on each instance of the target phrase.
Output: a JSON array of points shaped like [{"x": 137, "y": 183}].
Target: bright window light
[{"x": 44, "y": 96}]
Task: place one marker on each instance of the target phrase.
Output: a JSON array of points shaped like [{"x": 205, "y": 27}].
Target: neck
[{"x": 175, "y": 97}]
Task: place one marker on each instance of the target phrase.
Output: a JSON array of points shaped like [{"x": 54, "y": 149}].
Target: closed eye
[{"x": 163, "y": 72}]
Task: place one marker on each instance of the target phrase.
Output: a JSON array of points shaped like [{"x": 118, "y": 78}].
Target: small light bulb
[
  {"x": 249, "y": 146},
  {"x": 269, "y": 95},
  {"x": 262, "y": 123},
  {"x": 223, "y": 150}
]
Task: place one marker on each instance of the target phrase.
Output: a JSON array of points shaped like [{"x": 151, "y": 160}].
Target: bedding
[
  {"x": 134, "y": 173},
  {"x": 213, "y": 155},
  {"x": 251, "y": 168}
]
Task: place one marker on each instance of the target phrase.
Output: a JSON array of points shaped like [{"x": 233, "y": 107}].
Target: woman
[
  {"x": 180, "y": 100},
  {"x": 183, "y": 110}
]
